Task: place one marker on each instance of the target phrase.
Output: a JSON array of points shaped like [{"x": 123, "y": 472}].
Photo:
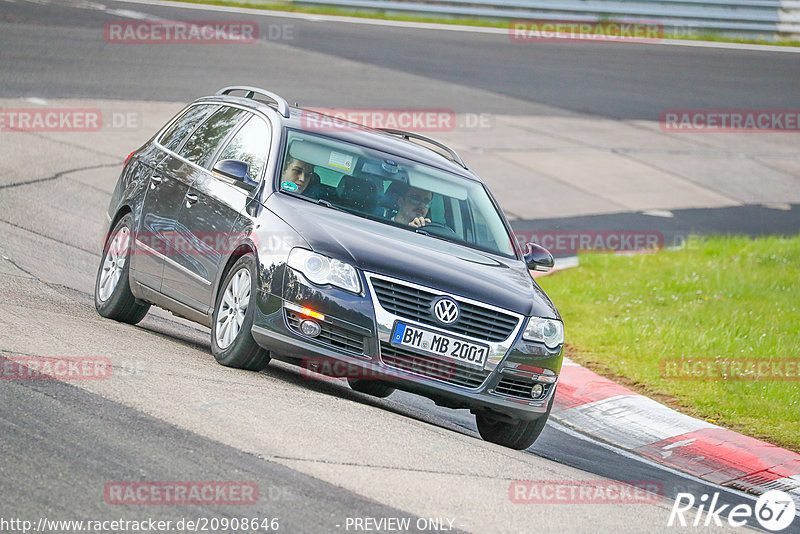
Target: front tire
[
  {"x": 112, "y": 290},
  {"x": 232, "y": 340},
  {"x": 517, "y": 435}
]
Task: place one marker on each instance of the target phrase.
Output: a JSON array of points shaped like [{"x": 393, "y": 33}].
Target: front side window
[
  {"x": 171, "y": 139},
  {"x": 251, "y": 145},
  {"x": 205, "y": 140},
  {"x": 395, "y": 191}
]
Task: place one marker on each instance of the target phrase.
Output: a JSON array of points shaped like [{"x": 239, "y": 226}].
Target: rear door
[
  {"x": 162, "y": 200},
  {"x": 212, "y": 206}
]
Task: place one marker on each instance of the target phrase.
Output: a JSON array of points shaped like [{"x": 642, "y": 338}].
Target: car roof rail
[
  {"x": 451, "y": 154},
  {"x": 280, "y": 102}
]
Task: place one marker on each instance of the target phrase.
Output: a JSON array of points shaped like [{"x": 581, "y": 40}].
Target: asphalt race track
[
  {"x": 54, "y": 53},
  {"x": 320, "y": 453}
]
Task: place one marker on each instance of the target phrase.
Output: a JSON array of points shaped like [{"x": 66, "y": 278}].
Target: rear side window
[
  {"x": 251, "y": 145},
  {"x": 205, "y": 140},
  {"x": 172, "y": 138}
]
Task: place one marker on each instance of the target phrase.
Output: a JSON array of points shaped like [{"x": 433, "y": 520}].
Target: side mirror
[
  {"x": 235, "y": 170},
  {"x": 538, "y": 258}
]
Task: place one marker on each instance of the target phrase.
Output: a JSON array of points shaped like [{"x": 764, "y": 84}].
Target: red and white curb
[{"x": 617, "y": 415}]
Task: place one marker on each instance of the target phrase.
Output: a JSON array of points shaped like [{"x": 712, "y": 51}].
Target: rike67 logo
[{"x": 774, "y": 510}]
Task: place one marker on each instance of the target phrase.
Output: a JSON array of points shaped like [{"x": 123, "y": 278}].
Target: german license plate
[{"x": 440, "y": 345}]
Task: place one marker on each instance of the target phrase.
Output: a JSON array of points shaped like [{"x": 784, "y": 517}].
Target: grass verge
[
  {"x": 465, "y": 21},
  {"x": 728, "y": 299}
]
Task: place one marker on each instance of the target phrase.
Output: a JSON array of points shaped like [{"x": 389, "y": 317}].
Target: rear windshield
[{"x": 403, "y": 193}]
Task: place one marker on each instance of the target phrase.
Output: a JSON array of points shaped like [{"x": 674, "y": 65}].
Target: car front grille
[
  {"x": 415, "y": 304},
  {"x": 452, "y": 372},
  {"x": 334, "y": 336},
  {"x": 519, "y": 388}
]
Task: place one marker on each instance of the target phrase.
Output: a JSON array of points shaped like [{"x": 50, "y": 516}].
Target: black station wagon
[{"x": 374, "y": 255}]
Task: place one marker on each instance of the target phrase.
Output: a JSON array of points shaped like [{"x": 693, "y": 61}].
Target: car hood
[{"x": 384, "y": 249}]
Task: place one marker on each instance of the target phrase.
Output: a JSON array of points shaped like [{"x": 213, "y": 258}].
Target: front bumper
[{"x": 355, "y": 343}]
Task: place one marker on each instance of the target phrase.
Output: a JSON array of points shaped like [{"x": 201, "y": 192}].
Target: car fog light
[
  {"x": 310, "y": 328},
  {"x": 536, "y": 391}
]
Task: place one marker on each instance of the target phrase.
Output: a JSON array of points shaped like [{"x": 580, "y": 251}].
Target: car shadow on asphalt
[
  {"x": 196, "y": 337},
  {"x": 399, "y": 403}
]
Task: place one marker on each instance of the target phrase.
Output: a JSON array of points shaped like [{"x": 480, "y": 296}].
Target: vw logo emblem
[{"x": 445, "y": 310}]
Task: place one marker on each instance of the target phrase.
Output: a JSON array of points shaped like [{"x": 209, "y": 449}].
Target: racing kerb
[
  {"x": 617, "y": 415},
  {"x": 610, "y": 412}
]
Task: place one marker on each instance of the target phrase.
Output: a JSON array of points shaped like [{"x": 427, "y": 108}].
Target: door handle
[{"x": 190, "y": 199}]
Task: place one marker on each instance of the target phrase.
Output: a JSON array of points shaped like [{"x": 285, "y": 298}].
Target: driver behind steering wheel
[{"x": 412, "y": 207}]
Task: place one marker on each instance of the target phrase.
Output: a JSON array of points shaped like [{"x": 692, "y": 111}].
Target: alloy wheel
[{"x": 232, "y": 308}]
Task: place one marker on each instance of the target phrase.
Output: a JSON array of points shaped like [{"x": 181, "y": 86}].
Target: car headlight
[
  {"x": 547, "y": 331},
  {"x": 323, "y": 270}
]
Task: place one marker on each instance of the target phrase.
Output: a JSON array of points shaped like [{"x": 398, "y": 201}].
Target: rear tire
[
  {"x": 518, "y": 435},
  {"x": 370, "y": 387},
  {"x": 112, "y": 290},
  {"x": 232, "y": 340}
]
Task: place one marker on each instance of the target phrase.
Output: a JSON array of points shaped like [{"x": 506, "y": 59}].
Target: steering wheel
[{"x": 439, "y": 229}]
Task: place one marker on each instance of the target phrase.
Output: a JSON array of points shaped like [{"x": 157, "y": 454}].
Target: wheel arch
[
  {"x": 121, "y": 212},
  {"x": 241, "y": 250}
]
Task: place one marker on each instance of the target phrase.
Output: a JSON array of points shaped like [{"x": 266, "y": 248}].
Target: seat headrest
[{"x": 358, "y": 194}]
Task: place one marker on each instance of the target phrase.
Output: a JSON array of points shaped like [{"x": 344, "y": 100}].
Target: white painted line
[
  {"x": 560, "y": 264},
  {"x": 566, "y": 263},
  {"x": 659, "y": 213},
  {"x": 36, "y": 100},
  {"x": 635, "y": 252},
  {"x": 731, "y": 46},
  {"x": 438, "y": 27},
  {"x": 778, "y": 206},
  {"x": 128, "y": 14}
]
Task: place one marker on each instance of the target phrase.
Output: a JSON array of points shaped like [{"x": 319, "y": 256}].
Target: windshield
[{"x": 394, "y": 191}]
